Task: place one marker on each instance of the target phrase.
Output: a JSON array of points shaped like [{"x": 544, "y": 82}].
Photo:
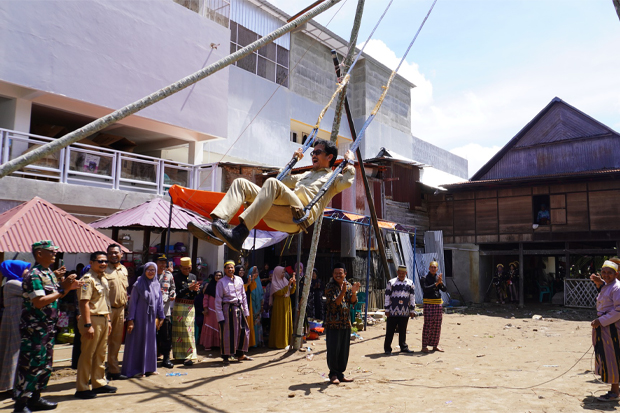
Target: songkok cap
[
  {"x": 402, "y": 268},
  {"x": 610, "y": 264},
  {"x": 230, "y": 262},
  {"x": 44, "y": 245},
  {"x": 161, "y": 257},
  {"x": 186, "y": 262}
]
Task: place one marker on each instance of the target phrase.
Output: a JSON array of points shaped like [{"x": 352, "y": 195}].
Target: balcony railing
[{"x": 104, "y": 168}]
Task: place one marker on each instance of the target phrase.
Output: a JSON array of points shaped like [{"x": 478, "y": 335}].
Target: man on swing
[{"x": 275, "y": 201}]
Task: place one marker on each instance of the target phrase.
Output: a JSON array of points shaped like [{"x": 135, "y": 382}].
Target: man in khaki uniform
[
  {"x": 274, "y": 200},
  {"x": 117, "y": 277},
  {"x": 95, "y": 327}
]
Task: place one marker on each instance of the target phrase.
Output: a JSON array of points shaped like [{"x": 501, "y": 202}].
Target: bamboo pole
[
  {"x": 101, "y": 123},
  {"x": 319, "y": 222}
]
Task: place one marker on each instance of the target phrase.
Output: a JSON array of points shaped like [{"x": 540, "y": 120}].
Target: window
[
  {"x": 269, "y": 62},
  {"x": 540, "y": 210},
  {"x": 447, "y": 259}
]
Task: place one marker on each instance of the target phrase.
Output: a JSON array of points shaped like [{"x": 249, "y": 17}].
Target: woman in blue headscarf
[
  {"x": 10, "y": 336},
  {"x": 257, "y": 305}
]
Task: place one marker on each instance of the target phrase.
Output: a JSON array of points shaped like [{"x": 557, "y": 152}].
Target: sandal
[
  {"x": 609, "y": 397},
  {"x": 334, "y": 380},
  {"x": 439, "y": 349},
  {"x": 425, "y": 350},
  {"x": 245, "y": 358}
]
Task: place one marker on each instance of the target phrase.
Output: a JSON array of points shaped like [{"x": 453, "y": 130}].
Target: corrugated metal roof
[
  {"x": 37, "y": 219},
  {"x": 154, "y": 214}
]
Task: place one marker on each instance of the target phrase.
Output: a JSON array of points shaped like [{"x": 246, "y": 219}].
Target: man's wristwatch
[
  {"x": 89, "y": 325},
  {"x": 60, "y": 290}
]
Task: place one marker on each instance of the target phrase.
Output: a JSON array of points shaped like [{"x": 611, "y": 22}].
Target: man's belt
[{"x": 234, "y": 304}]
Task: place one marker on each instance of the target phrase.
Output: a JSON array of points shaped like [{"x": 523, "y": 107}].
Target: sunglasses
[
  {"x": 102, "y": 261},
  {"x": 317, "y": 152}
]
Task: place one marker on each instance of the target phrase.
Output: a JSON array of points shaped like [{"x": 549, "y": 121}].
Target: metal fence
[
  {"x": 105, "y": 168},
  {"x": 579, "y": 292}
]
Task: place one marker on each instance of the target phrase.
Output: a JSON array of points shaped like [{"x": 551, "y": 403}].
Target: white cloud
[{"x": 476, "y": 155}]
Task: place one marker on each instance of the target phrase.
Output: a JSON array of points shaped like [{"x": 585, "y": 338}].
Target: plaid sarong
[
  {"x": 433, "y": 314},
  {"x": 183, "y": 338},
  {"x": 607, "y": 352},
  {"x": 235, "y": 333}
]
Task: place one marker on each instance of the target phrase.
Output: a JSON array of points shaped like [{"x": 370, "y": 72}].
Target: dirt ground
[{"x": 497, "y": 359}]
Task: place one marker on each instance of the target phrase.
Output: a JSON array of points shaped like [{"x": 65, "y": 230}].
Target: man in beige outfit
[
  {"x": 117, "y": 277},
  {"x": 273, "y": 202},
  {"x": 94, "y": 325}
]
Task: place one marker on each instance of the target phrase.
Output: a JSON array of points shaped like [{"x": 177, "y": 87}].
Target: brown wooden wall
[{"x": 483, "y": 215}]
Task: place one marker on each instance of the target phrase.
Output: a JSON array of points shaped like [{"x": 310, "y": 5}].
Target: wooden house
[{"x": 563, "y": 162}]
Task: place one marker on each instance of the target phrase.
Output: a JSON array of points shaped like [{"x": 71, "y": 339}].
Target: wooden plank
[
  {"x": 604, "y": 210},
  {"x": 467, "y": 239},
  {"x": 459, "y": 196},
  {"x": 486, "y": 194},
  {"x": 572, "y": 187},
  {"x": 486, "y": 216},
  {"x": 557, "y": 201},
  {"x": 515, "y": 215},
  {"x": 540, "y": 190},
  {"x": 518, "y": 191},
  {"x": 576, "y": 212},
  {"x": 482, "y": 239},
  {"x": 602, "y": 185},
  {"x": 441, "y": 217},
  {"x": 558, "y": 217},
  {"x": 465, "y": 217}
]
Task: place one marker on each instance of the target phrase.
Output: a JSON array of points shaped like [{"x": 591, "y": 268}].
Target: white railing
[
  {"x": 579, "y": 292},
  {"x": 105, "y": 168}
]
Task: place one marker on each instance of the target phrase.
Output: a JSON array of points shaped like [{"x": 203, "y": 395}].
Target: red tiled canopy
[{"x": 37, "y": 219}]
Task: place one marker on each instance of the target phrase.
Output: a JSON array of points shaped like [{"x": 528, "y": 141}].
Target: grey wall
[{"x": 111, "y": 53}]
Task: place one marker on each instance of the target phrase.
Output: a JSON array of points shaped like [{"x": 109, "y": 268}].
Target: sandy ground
[{"x": 497, "y": 359}]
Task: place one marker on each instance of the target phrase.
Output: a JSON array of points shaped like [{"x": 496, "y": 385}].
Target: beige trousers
[
  {"x": 115, "y": 339},
  {"x": 91, "y": 365},
  {"x": 272, "y": 203}
]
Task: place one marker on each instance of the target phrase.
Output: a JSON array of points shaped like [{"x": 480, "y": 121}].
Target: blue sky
[{"x": 484, "y": 68}]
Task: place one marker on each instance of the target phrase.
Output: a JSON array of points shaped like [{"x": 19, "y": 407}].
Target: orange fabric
[{"x": 203, "y": 202}]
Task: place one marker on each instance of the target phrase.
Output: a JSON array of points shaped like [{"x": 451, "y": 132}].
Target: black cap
[{"x": 161, "y": 257}]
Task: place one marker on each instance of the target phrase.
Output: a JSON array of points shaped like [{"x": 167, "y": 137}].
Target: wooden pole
[
  {"x": 318, "y": 223},
  {"x": 369, "y": 197},
  {"x": 101, "y": 123}
]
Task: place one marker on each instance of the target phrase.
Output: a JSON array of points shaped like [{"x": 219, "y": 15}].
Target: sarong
[
  {"x": 235, "y": 334},
  {"x": 431, "y": 332},
  {"x": 183, "y": 338},
  {"x": 607, "y": 352}
]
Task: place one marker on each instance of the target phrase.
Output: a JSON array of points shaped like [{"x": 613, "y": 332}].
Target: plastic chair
[
  {"x": 358, "y": 307},
  {"x": 543, "y": 289}
]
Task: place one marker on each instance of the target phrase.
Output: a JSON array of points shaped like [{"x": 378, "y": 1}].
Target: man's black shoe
[
  {"x": 232, "y": 237},
  {"x": 167, "y": 364},
  {"x": 409, "y": 351},
  {"x": 41, "y": 404},
  {"x": 188, "y": 362},
  {"x": 116, "y": 376},
  {"x": 85, "y": 394},
  {"x": 20, "y": 407},
  {"x": 388, "y": 353},
  {"x": 204, "y": 233},
  {"x": 105, "y": 389}
]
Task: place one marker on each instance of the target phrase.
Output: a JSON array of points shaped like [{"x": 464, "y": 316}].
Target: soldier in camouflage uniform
[{"x": 38, "y": 328}]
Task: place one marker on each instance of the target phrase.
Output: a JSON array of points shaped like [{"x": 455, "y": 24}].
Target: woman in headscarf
[
  {"x": 281, "y": 311},
  {"x": 210, "y": 335},
  {"x": 256, "y": 304},
  {"x": 249, "y": 286},
  {"x": 145, "y": 316},
  {"x": 10, "y": 336}
]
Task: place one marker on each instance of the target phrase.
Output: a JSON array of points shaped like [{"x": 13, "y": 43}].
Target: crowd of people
[
  {"x": 166, "y": 313},
  {"x": 506, "y": 283}
]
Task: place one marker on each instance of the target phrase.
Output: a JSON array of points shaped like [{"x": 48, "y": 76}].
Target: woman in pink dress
[{"x": 210, "y": 335}]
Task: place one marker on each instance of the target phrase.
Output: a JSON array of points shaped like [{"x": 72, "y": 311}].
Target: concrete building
[{"x": 66, "y": 63}]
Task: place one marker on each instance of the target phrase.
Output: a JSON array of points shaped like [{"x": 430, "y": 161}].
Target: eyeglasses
[
  {"x": 316, "y": 152},
  {"x": 102, "y": 261}
]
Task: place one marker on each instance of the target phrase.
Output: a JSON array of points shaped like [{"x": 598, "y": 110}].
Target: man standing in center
[
  {"x": 276, "y": 199},
  {"x": 168, "y": 293},
  {"x": 340, "y": 295},
  {"x": 399, "y": 306},
  {"x": 95, "y": 327},
  {"x": 117, "y": 277},
  {"x": 231, "y": 309}
]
